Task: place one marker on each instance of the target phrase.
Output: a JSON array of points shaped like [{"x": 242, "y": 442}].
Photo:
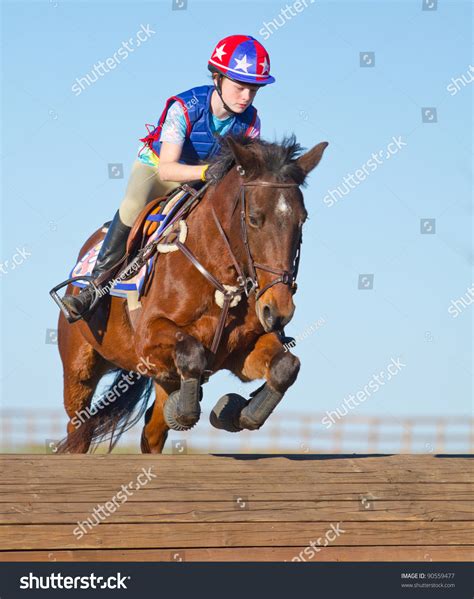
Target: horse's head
[{"x": 272, "y": 214}]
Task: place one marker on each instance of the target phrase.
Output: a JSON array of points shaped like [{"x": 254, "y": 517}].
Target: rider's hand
[{"x": 213, "y": 173}]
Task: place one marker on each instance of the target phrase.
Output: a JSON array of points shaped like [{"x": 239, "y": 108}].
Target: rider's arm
[
  {"x": 172, "y": 137},
  {"x": 170, "y": 169}
]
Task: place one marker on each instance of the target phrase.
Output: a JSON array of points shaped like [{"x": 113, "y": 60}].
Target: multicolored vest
[{"x": 200, "y": 143}]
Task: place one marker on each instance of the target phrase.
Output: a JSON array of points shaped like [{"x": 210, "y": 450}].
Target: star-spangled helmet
[{"x": 241, "y": 58}]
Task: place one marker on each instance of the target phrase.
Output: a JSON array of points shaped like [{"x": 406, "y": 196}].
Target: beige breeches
[{"x": 143, "y": 186}]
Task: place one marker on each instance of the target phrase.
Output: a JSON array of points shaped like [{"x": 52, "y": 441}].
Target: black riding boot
[{"x": 112, "y": 250}]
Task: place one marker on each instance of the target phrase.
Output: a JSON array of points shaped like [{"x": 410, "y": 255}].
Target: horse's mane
[{"x": 275, "y": 159}]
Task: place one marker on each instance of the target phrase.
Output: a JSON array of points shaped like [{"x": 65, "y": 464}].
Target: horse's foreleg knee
[
  {"x": 170, "y": 349},
  {"x": 178, "y": 353},
  {"x": 189, "y": 356}
]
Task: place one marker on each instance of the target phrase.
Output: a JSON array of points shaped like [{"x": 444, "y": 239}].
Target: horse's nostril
[{"x": 267, "y": 312}]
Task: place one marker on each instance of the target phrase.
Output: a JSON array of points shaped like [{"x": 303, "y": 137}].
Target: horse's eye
[{"x": 253, "y": 220}]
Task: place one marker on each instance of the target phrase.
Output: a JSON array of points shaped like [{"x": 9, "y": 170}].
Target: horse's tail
[{"x": 107, "y": 419}]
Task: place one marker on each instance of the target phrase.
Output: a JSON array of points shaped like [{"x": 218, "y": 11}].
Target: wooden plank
[
  {"x": 212, "y": 468},
  {"x": 41, "y": 465},
  {"x": 224, "y": 463},
  {"x": 243, "y": 534},
  {"x": 265, "y": 479},
  {"x": 229, "y": 511},
  {"x": 208, "y": 475},
  {"x": 427, "y": 553},
  {"x": 99, "y": 492}
]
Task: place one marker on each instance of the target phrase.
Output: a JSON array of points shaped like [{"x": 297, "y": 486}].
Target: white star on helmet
[
  {"x": 242, "y": 63},
  {"x": 265, "y": 65},
  {"x": 219, "y": 52}
]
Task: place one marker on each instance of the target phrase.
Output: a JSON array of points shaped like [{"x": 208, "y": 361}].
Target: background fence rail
[{"x": 29, "y": 430}]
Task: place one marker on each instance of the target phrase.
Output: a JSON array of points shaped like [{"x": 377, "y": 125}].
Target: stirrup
[{"x": 62, "y": 306}]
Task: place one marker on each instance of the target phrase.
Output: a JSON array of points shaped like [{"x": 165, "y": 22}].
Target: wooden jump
[{"x": 238, "y": 508}]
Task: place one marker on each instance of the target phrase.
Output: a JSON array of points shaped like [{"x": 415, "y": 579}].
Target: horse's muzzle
[{"x": 271, "y": 318}]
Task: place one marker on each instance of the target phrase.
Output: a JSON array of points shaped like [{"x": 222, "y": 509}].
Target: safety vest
[{"x": 200, "y": 142}]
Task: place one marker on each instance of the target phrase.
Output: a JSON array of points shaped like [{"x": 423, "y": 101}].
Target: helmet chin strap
[{"x": 219, "y": 91}]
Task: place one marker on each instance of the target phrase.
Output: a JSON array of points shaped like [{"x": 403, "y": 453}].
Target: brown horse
[{"x": 243, "y": 242}]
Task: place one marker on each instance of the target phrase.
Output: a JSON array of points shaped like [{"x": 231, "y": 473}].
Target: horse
[{"x": 222, "y": 302}]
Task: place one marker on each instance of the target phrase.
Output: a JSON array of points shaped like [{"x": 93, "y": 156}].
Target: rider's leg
[
  {"x": 111, "y": 251},
  {"x": 144, "y": 185}
]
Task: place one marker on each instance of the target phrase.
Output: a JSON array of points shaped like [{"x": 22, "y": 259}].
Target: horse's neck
[{"x": 222, "y": 198}]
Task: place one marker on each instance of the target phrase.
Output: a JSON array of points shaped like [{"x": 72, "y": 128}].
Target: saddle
[
  {"x": 153, "y": 214},
  {"x": 159, "y": 224}
]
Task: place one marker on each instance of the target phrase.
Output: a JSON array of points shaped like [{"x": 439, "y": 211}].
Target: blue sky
[{"x": 57, "y": 145}]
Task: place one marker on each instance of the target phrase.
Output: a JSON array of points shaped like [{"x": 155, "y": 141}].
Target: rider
[{"x": 176, "y": 150}]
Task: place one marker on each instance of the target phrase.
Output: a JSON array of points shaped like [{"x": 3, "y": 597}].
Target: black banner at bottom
[{"x": 239, "y": 580}]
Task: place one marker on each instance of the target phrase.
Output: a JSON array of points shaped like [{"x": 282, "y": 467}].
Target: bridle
[
  {"x": 250, "y": 283},
  {"x": 247, "y": 283},
  {"x": 285, "y": 277}
]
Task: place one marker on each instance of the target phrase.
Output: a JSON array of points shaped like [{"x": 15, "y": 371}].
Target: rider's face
[{"x": 238, "y": 95}]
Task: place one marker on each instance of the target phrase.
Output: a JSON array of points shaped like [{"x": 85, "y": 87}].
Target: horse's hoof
[
  {"x": 170, "y": 414},
  {"x": 226, "y": 412}
]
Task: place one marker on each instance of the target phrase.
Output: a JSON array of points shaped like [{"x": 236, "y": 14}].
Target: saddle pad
[{"x": 86, "y": 263}]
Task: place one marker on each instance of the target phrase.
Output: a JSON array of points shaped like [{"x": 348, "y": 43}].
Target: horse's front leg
[
  {"x": 175, "y": 355},
  {"x": 270, "y": 361}
]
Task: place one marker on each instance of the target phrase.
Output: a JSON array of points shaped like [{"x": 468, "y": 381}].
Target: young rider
[{"x": 180, "y": 147}]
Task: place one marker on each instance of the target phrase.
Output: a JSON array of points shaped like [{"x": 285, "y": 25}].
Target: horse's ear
[
  {"x": 311, "y": 159},
  {"x": 241, "y": 154}
]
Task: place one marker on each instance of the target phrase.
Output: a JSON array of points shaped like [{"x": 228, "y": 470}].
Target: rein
[{"x": 246, "y": 284}]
